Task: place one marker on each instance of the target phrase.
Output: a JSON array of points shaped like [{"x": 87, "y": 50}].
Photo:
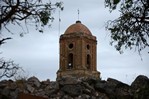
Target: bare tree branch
[
  {"x": 8, "y": 68},
  {"x": 4, "y": 39}
]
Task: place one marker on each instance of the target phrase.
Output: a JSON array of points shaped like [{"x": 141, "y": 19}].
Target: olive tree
[{"x": 131, "y": 29}]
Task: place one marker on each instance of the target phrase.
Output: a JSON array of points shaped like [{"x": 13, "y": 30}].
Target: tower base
[{"x": 78, "y": 74}]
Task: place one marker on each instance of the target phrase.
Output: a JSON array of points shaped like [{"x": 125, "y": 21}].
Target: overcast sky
[{"x": 38, "y": 54}]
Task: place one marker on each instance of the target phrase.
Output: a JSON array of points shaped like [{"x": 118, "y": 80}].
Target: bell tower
[{"x": 77, "y": 52}]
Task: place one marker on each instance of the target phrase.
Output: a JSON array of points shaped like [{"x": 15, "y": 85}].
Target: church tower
[{"x": 77, "y": 52}]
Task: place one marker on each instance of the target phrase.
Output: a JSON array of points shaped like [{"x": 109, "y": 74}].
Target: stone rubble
[{"x": 74, "y": 88}]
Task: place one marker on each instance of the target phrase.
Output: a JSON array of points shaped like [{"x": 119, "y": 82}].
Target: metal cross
[{"x": 78, "y": 14}]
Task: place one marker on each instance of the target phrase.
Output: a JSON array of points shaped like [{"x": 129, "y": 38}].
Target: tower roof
[{"x": 78, "y": 27}]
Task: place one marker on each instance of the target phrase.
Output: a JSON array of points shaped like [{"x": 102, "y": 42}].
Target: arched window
[
  {"x": 88, "y": 61},
  {"x": 70, "y": 61},
  {"x": 88, "y": 47}
]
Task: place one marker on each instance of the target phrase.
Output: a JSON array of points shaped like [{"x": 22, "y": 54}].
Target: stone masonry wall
[{"x": 74, "y": 88}]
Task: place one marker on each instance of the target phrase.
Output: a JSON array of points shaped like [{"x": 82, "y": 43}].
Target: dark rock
[
  {"x": 67, "y": 97},
  {"x": 79, "y": 97},
  {"x": 113, "y": 82},
  {"x": 47, "y": 82},
  {"x": 14, "y": 94},
  {"x": 102, "y": 96},
  {"x": 3, "y": 84},
  {"x": 92, "y": 97},
  {"x": 139, "y": 82},
  {"x": 87, "y": 86},
  {"x": 86, "y": 91},
  {"x": 13, "y": 86},
  {"x": 68, "y": 81},
  {"x": 44, "y": 84},
  {"x": 84, "y": 96},
  {"x": 106, "y": 87},
  {"x": 100, "y": 86},
  {"x": 47, "y": 88},
  {"x": 51, "y": 92},
  {"x": 29, "y": 96},
  {"x": 123, "y": 91},
  {"x": 72, "y": 90},
  {"x": 114, "y": 88},
  {"x": 91, "y": 81},
  {"x": 76, "y": 88},
  {"x": 40, "y": 92},
  {"x": 54, "y": 85},
  {"x": 4, "y": 97},
  {"x": 1, "y": 90},
  {"x": 140, "y": 87},
  {"x": 6, "y": 91}
]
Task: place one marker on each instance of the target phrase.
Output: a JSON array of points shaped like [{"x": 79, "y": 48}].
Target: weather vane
[{"x": 78, "y": 14}]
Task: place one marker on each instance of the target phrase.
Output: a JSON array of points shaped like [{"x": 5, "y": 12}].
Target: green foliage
[
  {"x": 130, "y": 30},
  {"x": 16, "y": 12},
  {"x": 44, "y": 17},
  {"x": 111, "y": 4}
]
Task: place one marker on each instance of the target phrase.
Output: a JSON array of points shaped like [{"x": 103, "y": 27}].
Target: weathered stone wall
[
  {"x": 84, "y": 46},
  {"x": 74, "y": 88}
]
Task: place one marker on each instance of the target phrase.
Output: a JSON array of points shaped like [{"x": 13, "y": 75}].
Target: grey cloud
[{"x": 39, "y": 53}]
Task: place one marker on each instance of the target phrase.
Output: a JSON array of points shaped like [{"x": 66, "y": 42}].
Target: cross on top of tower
[
  {"x": 78, "y": 14},
  {"x": 78, "y": 53}
]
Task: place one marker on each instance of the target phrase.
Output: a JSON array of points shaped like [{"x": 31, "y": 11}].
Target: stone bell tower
[{"x": 77, "y": 52}]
